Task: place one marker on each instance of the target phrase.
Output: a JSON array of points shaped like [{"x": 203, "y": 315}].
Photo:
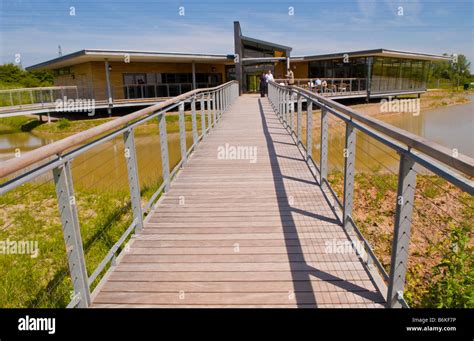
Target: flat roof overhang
[
  {"x": 262, "y": 44},
  {"x": 92, "y": 55},
  {"x": 373, "y": 53}
]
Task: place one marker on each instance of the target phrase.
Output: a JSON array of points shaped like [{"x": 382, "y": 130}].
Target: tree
[
  {"x": 457, "y": 70},
  {"x": 12, "y": 75},
  {"x": 460, "y": 70}
]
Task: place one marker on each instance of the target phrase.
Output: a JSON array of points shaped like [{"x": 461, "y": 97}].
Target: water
[
  {"x": 104, "y": 165},
  {"x": 448, "y": 126}
]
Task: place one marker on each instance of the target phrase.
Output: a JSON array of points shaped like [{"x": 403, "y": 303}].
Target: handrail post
[
  {"x": 323, "y": 165},
  {"x": 309, "y": 129},
  {"x": 282, "y": 105},
  {"x": 277, "y": 100},
  {"x": 219, "y": 109},
  {"x": 182, "y": 134},
  {"x": 203, "y": 115},
  {"x": 222, "y": 92},
  {"x": 214, "y": 107},
  {"x": 349, "y": 172},
  {"x": 224, "y": 100},
  {"x": 194, "y": 120},
  {"x": 164, "y": 151},
  {"x": 229, "y": 94},
  {"x": 298, "y": 119},
  {"x": 401, "y": 233},
  {"x": 292, "y": 118},
  {"x": 209, "y": 113},
  {"x": 279, "y": 103},
  {"x": 227, "y": 102},
  {"x": 72, "y": 233},
  {"x": 218, "y": 104},
  {"x": 287, "y": 107},
  {"x": 133, "y": 181}
]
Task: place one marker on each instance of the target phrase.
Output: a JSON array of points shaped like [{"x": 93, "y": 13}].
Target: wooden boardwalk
[{"x": 237, "y": 233}]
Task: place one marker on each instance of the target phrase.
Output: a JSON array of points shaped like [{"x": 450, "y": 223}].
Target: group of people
[
  {"x": 319, "y": 85},
  {"x": 266, "y": 77}
]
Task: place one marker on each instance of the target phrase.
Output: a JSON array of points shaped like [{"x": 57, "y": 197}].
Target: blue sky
[{"x": 35, "y": 28}]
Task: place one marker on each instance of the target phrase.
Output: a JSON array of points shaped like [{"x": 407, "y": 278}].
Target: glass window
[
  {"x": 151, "y": 78},
  {"x": 128, "y": 78}
]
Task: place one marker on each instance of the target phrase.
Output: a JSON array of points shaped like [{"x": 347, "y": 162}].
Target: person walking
[{"x": 263, "y": 85}]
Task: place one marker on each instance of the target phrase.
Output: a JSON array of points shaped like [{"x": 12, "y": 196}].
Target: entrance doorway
[
  {"x": 252, "y": 74},
  {"x": 253, "y": 83}
]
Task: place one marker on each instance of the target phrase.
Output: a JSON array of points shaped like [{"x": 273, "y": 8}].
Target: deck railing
[
  {"x": 57, "y": 158},
  {"x": 331, "y": 86},
  {"x": 136, "y": 91},
  {"x": 45, "y": 99},
  {"x": 455, "y": 168},
  {"x": 40, "y": 95}
]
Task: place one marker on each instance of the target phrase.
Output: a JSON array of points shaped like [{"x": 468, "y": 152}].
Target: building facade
[{"x": 115, "y": 76}]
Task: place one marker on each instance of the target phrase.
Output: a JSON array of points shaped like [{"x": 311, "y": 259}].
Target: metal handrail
[
  {"x": 462, "y": 163},
  {"x": 72, "y": 87},
  {"x": 55, "y": 148},
  {"x": 435, "y": 158},
  {"x": 213, "y": 103}
]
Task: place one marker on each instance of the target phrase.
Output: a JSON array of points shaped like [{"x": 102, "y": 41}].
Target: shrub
[{"x": 64, "y": 123}]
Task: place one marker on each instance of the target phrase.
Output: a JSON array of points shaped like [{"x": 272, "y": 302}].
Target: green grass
[
  {"x": 30, "y": 213},
  {"x": 44, "y": 281},
  {"x": 440, "y": 272},
  {"x": 65, "y": 126}
]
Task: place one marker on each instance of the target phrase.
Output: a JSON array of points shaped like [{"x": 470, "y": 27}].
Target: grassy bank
[
  {"x": 66, "y": 127},
  {"x": 441, "y": 262},
  {"x": 30, "y": 213}
]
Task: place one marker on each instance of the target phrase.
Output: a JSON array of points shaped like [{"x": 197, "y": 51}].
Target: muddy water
[{"x": 449, "y": 126}]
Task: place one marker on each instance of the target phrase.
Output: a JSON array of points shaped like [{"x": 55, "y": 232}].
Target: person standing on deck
[
  {"x": 317, "y": 84},
  {"x": 263, "y": 85},
  {"x": 291, "y": 77},
  {"x": 269, "y": 77}
]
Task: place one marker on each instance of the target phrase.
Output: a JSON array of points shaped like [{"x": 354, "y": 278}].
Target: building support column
[
  {"x": 238, "y": 55},
  {"x": 194, "y": 75},
  {"x": 110, "y": 100},
  {"x": 369, "y": 77}
]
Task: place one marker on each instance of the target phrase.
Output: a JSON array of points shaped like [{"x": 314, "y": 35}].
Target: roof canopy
[
  {"x": 371, "y": 53},
  {"x": 89, "y": 55},
  {"x": 261, "y": 44}
]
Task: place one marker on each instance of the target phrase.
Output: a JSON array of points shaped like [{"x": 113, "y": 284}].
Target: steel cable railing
[
  {"x": 413, "y": 151},
  {"x": 59, "y": 158}
]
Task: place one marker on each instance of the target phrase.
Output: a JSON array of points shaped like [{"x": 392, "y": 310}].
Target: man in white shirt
[{"x": 269, "y": 76}]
